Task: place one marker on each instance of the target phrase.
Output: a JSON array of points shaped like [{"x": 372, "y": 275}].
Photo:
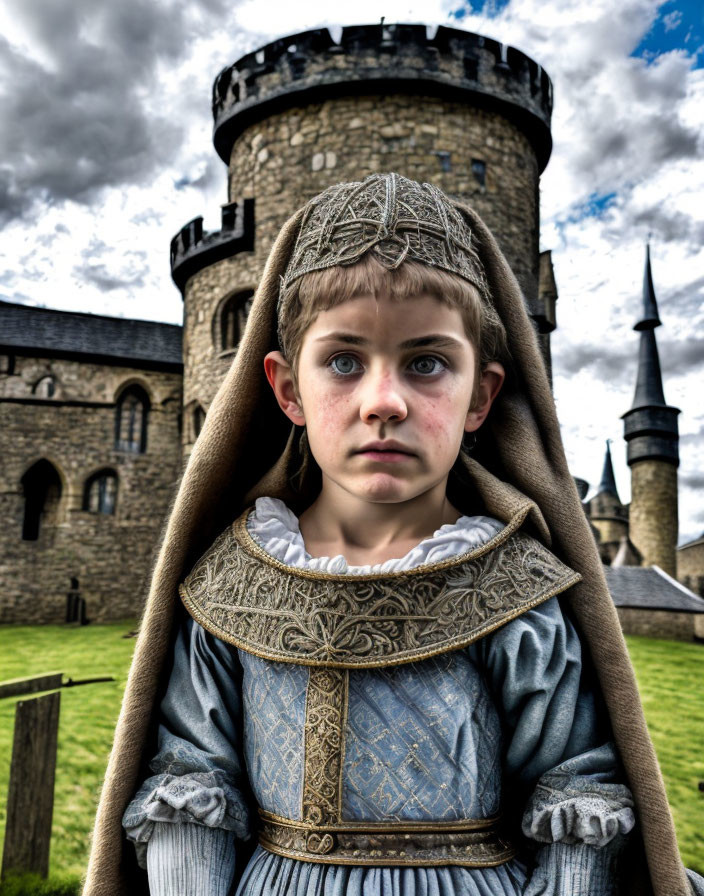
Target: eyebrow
[{"x": 432, "y": 340}]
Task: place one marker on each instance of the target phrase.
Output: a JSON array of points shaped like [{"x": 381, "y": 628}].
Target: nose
[{"x": 382, "y": 397}]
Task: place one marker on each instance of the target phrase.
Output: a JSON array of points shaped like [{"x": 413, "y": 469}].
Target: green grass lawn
[
  {"x": 670, "y": 675},
  {"x": 87, "y": 720}
]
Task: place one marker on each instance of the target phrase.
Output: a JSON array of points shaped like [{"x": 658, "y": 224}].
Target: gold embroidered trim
[
  {"x": 326, "y": 711},
  {"x": 392, "y": 827},
  {"x": 245, "y": 597},
  {"x": 476, "y": 843}
]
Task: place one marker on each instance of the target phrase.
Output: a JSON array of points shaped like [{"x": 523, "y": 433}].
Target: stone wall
[
  {"x": 690, "y": 566},
  {"x": 661, "y": 623},
  {"x": 205, "y": 363},
  {"x": 289, "y": 157},
  {"x": 653, "y": 513},
  {"x": 611, "y": 531},
  {"x": 109, "y": 554}
]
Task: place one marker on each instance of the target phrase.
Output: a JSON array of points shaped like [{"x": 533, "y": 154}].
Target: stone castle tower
[
  {"x": 650, "y": 430},
  {"x": 302, "y": 113},
  {"x": 607, "y": 514}
]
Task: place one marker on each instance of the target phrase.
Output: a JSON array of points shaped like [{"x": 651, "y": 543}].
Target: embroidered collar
[{"x": 246, "y": 597}]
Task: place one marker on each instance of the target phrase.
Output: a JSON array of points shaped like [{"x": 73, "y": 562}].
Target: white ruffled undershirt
[{"x": 276, "y": 530}]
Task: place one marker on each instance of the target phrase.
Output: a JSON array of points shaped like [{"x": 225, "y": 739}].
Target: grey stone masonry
[{"x": 55, "y": 443}]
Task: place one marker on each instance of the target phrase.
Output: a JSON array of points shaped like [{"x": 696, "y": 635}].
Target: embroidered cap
[{"x": 390, "y": 216}]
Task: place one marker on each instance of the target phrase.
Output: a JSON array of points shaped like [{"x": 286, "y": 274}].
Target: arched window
[
  {"x": 198, "y": 420},
  {"x": 100, "y": 494},
  {"x": 233, "y": 317},
  {"x": 131, "y": 420},
  {"x": 45, "y": 387},
  {"x": 41, "y": 485}
]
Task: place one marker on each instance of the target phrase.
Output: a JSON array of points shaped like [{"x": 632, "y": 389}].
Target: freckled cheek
[
  {"x": 331, "y": 412},
  {"x": 443, "y": 416}
]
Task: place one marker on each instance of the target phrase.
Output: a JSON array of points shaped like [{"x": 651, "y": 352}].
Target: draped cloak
[{"x": 246, "y": 449}]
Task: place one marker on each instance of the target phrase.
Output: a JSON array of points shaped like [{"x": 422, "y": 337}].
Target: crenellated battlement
[
  {"x": 192, "y": 248},
  {"x": 447, "y": 62}
]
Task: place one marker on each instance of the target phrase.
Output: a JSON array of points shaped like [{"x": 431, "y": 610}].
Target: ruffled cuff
[
  {"x": 203, "y": 798},
  {"x": 575, "y": 870},
  {"x": 190, "y": 859},
  {"x": 572, "y": 808}
]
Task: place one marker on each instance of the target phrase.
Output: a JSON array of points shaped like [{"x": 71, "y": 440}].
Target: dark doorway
[{"x": 42, "y": 492}]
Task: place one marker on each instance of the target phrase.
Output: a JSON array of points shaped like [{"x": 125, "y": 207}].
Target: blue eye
[
  {"x": 344, "y": 365},
  {"x": 427, "y": 365}
]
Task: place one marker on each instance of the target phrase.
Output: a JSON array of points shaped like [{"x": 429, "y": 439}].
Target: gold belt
[{"x": 476, "y": 843}]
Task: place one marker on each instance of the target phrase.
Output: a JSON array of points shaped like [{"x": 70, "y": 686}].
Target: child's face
[{"x": 384, "y": 388}]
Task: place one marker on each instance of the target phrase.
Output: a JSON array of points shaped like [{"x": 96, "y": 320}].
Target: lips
[
  {"x": 386, "y": 445},
  {"x": 386, "y": 448}
]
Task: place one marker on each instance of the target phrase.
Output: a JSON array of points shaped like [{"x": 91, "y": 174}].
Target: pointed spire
[
  {"x": 608, "y": 480},
  {"x": 649, "y": 390},
  {"x": 650, "y": 426},
  {"x": 650, "y": 318}
]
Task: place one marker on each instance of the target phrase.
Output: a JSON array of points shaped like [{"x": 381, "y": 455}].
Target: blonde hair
[{"x": 321, "y": 290}]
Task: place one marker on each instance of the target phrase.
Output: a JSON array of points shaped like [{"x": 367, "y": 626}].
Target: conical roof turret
[
  {"x": 650, "y": 318},
  {"x": 650, "y": 426},
  {"x": 608, "y": 480},
  {"x": 649, "y": 392}
]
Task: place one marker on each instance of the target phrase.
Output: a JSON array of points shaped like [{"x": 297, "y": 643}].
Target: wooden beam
[
  {"x": 18, "y": 687},
  {"x": 30, "y": 798}
]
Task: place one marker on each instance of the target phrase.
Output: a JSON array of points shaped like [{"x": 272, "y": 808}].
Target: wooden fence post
[{"x": 30, "y": 798}]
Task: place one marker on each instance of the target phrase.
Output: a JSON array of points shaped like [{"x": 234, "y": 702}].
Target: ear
[
  {"x": 492, "y": 380},
  {"x": 280, "y": 375}
]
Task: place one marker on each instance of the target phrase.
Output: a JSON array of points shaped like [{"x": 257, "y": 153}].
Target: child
[{"x": 384, "y": 672}]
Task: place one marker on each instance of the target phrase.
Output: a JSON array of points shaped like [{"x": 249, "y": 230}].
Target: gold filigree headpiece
[{"x": 390, "y": 216}]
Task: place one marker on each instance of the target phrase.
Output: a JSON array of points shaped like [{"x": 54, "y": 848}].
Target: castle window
[
  {"x": 41, "y": 485},
  {"x": 479, "y": 171},
  {"x": 45, "y": 387},
  {"x": 131, "y": 421},
  {"x": 100, "y": 494},
  {"x": 233, "y": 318},
  {"x": 445, "y": 158},
  {"x": 198, "y": 420}
]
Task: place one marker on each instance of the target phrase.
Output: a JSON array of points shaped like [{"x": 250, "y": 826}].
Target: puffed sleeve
[
  {"x": 558, "y": 758},
  {"x": 189, "y": 812}
]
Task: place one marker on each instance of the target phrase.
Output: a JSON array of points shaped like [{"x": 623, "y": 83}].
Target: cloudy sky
[{"x": 105, "y": 152}]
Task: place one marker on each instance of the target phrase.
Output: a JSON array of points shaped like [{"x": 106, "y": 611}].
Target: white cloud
[{"x": 672, "y": 20}]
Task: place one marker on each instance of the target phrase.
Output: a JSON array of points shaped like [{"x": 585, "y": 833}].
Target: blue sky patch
[
  {"x": 679, "y": 26},
  {"x": 489, "y": 8},
  {"x": 591, "y": 207}
]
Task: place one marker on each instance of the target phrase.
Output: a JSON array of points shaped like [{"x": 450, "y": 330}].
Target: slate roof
[
  {"x": 72, "y": 333},
  {"x": 649, "y": 588},
  {"x": 691, "y": 544}
]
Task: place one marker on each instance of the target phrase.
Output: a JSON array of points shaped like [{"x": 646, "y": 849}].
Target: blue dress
[{"x": 510, "y": 720}]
